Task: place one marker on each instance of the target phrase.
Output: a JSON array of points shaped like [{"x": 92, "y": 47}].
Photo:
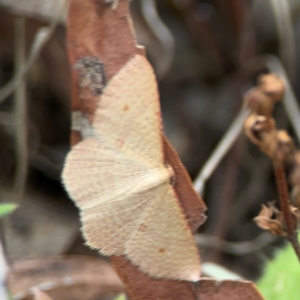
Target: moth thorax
[{"x": 153, "y": 179}]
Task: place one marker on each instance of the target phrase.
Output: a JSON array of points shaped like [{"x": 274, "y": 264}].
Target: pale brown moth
[{"x": 118, "y": 179}]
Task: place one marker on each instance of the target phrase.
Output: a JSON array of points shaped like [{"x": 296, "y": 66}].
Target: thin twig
[
  {"x": 41, "y": 38},
  {"x": 226, "y": 193},
  {"x": 161, "y": 32},
  {"x": 289, "y": 101},
  {"x": 283, "y": 193},
  {"x": 220, "y": 151},
  {"x": 286, "y": 36},
  {"x": 20, "y": 111},
  {"x": 253, "y": 191}
]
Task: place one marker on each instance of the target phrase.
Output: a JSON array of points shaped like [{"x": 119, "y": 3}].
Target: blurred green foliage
[
  {"x": 281, "y": 277},
  {"x": 6, "y": 208},
  {"x": 121, "y": 297}
]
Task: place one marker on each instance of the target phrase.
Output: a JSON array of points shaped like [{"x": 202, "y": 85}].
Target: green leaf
[
  {"x": 6, "y": 208},
  {"x": 282, "y": 276},
  {"x": 121, "y": 297}
]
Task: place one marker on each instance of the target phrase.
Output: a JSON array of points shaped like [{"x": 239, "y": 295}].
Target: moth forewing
[{"x": 118, "y": 180}]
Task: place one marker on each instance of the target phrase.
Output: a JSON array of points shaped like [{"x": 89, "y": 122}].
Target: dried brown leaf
[
  {"x": 211, "y": 289},
  {"x": 89, "y": 20},
  {"x": 272, "y": 225},
  {"x": 266, "y": 211},
  {"x": 271, "y": 219}
]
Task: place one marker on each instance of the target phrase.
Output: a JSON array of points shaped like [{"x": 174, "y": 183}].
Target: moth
[{"x": 119, "y": 181}]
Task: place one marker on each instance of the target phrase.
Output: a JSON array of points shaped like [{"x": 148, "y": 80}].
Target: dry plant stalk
[{"x": 261, "y": 129}]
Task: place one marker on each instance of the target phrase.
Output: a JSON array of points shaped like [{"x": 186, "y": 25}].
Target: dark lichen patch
[{"x": 92, "y": 74}]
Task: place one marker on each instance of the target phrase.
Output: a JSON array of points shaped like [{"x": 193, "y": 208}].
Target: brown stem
[
  {"x": 284, "y": 198},
  {"x": 283, "y": 193}
]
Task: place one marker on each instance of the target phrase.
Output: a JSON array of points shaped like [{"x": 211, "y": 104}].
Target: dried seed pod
[
  {"x": 272, "y": 225},
  {"x": 262, "y": 132},
  {"x": 258, "y": 102},
  {"x": 272, "y": 85},
  {"x": 270, "y": 218}
]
